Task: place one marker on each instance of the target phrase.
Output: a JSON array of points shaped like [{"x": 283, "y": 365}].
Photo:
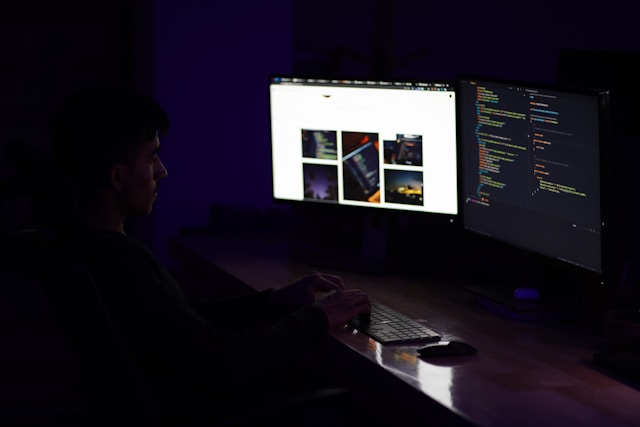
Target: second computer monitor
[{"x": 532, "y": 159}]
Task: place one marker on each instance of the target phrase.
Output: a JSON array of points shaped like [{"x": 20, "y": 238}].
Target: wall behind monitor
[
  {"x": 213, "y": 59},
  {"x": 406, "y": 38},
  {"x": 198, "y": 44}
]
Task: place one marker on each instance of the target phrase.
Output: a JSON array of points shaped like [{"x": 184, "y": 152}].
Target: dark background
[{"x": 207, "y": 62}]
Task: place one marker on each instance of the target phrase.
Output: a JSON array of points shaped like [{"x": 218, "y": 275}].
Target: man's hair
[{"x": 97, "y": 127}]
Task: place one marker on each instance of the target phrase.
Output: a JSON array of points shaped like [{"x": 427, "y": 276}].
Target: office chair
[{"x": 115, "y": 390}]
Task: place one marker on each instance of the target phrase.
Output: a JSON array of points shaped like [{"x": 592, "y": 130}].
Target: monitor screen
[
  {"x": 362, "y": 143},
  {"x": 532, "y": 177},
  {"x": 367, "y": 165}
]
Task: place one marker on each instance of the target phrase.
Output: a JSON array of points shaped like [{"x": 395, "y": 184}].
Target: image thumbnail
[
  {"x": 319, "y": 144},
  {"x": 403, "y": 187},
  {"x": 320, "y": 182},
  {"x": 361, "y": 165},
  {"x": 404, "y": 150}
]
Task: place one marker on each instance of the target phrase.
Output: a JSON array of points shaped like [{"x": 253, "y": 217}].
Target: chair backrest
[{"x": 115, "y": 390}]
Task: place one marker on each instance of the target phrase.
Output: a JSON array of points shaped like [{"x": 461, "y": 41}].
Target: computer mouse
[{"x": 447, "y": 348}]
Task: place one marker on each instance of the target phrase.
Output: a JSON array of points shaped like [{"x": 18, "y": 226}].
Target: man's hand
[
  {"x": 343, "y": 305},
  {"x": 305, "y": 290}
]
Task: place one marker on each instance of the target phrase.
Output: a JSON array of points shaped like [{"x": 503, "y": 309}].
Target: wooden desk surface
[{"x": 525, "y": 374}]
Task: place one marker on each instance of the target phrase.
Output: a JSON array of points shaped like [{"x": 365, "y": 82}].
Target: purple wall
[
  {"x": 440, "y": 39},
  {"x": 212, "y": 64},
  {"x": 218, "y": 148}
]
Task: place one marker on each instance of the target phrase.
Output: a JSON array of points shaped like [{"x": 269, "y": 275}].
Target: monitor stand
[
  {"x": 502, "y": 300},
  {"x": 501, "y": 281},
  {"x": 338, "y": 240}
]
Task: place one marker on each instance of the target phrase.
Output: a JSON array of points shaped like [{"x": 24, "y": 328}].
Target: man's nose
[{"x": 161, "y": 171}]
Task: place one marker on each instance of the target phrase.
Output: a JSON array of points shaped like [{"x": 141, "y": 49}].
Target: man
[{"x": 106, "y": 142}]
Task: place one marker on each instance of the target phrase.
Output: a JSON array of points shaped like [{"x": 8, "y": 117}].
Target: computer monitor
[
  {"x": 533, "y": 183},
  {"x": 349, "y": 151}
]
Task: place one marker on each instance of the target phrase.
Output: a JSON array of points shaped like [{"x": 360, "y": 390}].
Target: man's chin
[
  {"x": 146, "y": 211},
  {"x": 152, "y": 202}
]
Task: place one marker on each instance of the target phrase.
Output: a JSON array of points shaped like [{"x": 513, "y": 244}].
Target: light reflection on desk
[{"x": 403, "y": 362}]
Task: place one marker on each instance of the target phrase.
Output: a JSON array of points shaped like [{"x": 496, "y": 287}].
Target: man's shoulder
[
  {"x": 110, "y": 256},
  {"x": 86, "y": 241}
]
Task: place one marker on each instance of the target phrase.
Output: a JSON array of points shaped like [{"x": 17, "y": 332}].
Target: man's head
[{"x": 106, "y": 139}]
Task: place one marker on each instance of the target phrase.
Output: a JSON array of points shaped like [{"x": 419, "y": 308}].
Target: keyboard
[{"x": 387, "y": 326}]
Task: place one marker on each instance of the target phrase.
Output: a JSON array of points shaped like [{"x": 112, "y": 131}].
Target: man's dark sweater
[{"x": 187, "y": 355}]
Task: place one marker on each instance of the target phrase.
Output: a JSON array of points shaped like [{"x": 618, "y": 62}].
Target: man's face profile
[{"x": 139, "y": 179}]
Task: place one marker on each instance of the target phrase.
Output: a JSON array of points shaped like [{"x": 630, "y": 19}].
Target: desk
[{"x": 525, "y": 374}]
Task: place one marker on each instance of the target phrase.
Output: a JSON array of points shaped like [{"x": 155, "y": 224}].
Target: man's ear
[{"x": 116, "y": 177}]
